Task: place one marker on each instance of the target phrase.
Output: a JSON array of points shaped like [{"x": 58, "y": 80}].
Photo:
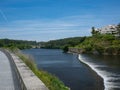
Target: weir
[
  {"x": 27, "y": 79},
  {"x": 109, "y": 78}
]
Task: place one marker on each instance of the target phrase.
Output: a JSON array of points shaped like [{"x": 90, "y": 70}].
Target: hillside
[
  {"x": 100, "y": 44},
  {"x": 61, "y": 43}
]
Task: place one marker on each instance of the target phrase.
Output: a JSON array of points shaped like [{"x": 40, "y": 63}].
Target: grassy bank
[
  {"x": 51, "y": 81},
  {"x": 103, "y": 44}
]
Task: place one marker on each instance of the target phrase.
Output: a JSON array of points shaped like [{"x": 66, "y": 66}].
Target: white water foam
[{"x": 108, "y": 77}]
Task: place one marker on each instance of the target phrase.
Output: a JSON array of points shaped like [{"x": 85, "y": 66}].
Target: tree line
[
  {"x": 21, "y": 44},
  {"x": 62, "y": 43}
]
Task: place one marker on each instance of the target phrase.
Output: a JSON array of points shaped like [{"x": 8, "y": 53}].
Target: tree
[
  {"x": 93, "y": 31},
  {"x": 65, "y": 48}
]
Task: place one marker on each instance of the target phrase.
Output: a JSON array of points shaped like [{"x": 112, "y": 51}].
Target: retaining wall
[{"x": 27, "y": 79}]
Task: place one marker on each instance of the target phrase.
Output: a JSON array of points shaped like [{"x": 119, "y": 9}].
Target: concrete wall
[
  {"x": 27, "y": 79},
  {"x": 76, "y": 50}
]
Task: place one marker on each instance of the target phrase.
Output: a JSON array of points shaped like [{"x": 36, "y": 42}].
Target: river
[
  {"x": 108, "y": 67},
  {"x": 88, "y": 72}
]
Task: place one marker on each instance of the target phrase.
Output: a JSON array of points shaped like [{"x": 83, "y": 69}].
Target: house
[{"x": 110, "y": 29}]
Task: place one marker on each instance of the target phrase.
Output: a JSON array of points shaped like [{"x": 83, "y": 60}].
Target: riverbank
[
  {"x": 102, "y": 44},
  {"x": 51, "y": 81},
  {"x": 98, "y": 44}
]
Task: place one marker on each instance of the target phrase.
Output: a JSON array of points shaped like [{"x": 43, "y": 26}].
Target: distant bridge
[{"x": 15, "y": 75}]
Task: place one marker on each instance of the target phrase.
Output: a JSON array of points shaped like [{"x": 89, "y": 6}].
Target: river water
[
  {"x": 108, "y": 67},
  {"x": 86, "y": 72}
]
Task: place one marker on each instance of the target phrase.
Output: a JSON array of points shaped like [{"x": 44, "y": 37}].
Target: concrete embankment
[
  {"x": 95, "y": 52},
  {"x": 28, "y": 80},
  {"x": 75, "y": 50}
]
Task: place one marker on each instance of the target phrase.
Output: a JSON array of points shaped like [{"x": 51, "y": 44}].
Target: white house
[{"x": 110, "y": 29}]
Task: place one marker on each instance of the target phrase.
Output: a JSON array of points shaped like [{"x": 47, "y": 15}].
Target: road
[{"x": 8, "y": 79}]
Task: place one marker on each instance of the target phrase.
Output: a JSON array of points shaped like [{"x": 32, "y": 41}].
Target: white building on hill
[{"x": 110, "y": 29}]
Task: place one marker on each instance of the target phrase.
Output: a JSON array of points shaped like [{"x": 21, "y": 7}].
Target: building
[{"x": 110, "y": 29}]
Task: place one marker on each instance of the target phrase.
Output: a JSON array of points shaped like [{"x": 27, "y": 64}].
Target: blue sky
[{"x": 44, "y": 20}]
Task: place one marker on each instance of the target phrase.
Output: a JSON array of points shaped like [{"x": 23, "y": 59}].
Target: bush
[
  {"x": 100, "y": 49},
  {"x": 65, "y": 48},
  {"x": 116, "y": 42},
  {"x": 88, "y": 48},
  {"x": 108, "y": 37}
]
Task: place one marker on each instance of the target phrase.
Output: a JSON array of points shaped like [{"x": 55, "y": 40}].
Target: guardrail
[{"x": 27, "y": 79}]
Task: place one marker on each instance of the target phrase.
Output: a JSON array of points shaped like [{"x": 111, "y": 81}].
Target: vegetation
[
  {"x": 21, "y": 44},
  {"x": 62, "y": 43},
  {"x": 51, "y": 81},
  {"x": 106, "y": 44},
  {"x": 65, "y": 48},
  {"x": 103, "y": 44},
  {"x": 94, "y": 32}
]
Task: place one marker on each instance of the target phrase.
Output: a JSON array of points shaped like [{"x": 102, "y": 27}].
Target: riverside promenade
[
  {"x": 16, "y": 75},
  {"x": 8, "y": 79}
]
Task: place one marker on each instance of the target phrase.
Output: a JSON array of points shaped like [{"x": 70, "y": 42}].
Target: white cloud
[{"x": 57, "y": 28}]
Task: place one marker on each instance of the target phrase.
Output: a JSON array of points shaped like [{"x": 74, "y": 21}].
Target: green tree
[
  {"x": 65, "y": 48},
  {"x": 93, "y": 31}
]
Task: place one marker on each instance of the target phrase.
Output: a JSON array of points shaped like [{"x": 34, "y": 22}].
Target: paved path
[{"x": 7, "y": 76}]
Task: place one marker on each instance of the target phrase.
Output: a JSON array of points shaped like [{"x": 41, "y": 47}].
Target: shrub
[
  {"x": 99, "y": 48},
  {"x": 65, "y": 48},
  {"x": 88, "y": 48},
  {"x": 108, "y": 37}
]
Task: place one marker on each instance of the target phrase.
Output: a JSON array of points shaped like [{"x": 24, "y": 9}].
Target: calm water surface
[{"x": 74, "y": 73}]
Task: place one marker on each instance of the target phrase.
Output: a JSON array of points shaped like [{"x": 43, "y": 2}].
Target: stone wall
[{"x": 75, "y": 50}]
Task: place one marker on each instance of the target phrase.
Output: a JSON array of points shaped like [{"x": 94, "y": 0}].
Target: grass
[{"x": 51, "y": 81}]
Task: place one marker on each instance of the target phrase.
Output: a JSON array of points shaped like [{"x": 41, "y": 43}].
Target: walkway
[{"x": 8, "y": 80}]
